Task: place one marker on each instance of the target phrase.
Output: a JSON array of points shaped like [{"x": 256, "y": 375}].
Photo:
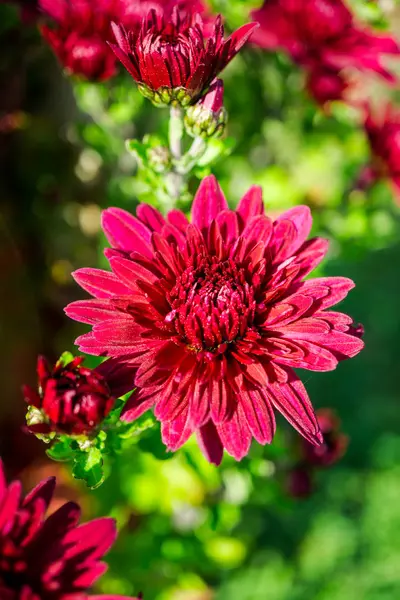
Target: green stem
[{"x": 174, "y": 179}]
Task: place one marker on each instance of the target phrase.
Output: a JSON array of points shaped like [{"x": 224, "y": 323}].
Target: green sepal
[{"x": 65, "y": 359}]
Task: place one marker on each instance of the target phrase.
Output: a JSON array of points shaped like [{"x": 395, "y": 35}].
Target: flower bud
[
  {"x": 208, "y": 117},
  {"x": 326, "y": 85},
  {"x": 70, "y": 399}
]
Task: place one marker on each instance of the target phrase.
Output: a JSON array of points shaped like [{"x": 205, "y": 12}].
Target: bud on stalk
[
  {"x": 71, "y": 399},
  {"x": 207, "y": 118}
]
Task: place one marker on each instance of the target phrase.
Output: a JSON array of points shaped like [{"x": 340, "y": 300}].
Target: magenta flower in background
[
  {"x": 300, "y": 478},
  {"x": 383, "y": 131},
  {"x": 208, "y": 319},
  {"x": 323, "y": 37},
  {"x": 72, "y": 399},
  {"x": 78, "y": 35},
  {"x": 170, "y": 58},
  {"x": 334, "y": 445},
  {"x": 53, "y": 558},
  {"x": 133, "y": 11}
]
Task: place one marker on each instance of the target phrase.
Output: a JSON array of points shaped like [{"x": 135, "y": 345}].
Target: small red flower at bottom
[
  {"x": 53, "y": 558},
  {"x": 210, "y": 318},
  {"x": 71, "y": 398},
  {"x": 383, "y": 133}
]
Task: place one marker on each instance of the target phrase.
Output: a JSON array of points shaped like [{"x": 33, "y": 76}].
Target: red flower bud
[
  {"x": 326, "y": 84},
  {"x": 208, "y": 116},
  {"x": 169, "y": 58},
  {"x": 71, "y": 399}
]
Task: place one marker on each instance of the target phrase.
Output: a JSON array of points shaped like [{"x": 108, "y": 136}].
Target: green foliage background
[{"x": 189, "y": 531}]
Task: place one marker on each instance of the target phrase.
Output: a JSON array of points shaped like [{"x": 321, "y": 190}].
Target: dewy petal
[
  {"x": 125, "y": 232},
  {"x": 239, "y": 37},
  {"x": 140, "y": 402},
  {"x": 291, "y": 399},
  {"x": 301, "y": 218},
  {"x": 251, "y": 205},
  {"x": 99, "y": 283},
  {"x": 210, "y": 443},
  {"x": 235, "y": 434},
  {"x": 259, "y": 415},
  {"x": 177, "y": 432},
  {"x": 208, "y": 203}
]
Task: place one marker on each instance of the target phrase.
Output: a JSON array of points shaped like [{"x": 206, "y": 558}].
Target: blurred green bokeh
[{"x": 190, "y": 531}]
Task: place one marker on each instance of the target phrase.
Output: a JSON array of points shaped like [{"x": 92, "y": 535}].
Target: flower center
[{"x": 212, "y": 305}]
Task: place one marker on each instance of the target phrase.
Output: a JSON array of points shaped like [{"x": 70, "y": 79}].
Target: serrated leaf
[{"x": 89, "y": 467}]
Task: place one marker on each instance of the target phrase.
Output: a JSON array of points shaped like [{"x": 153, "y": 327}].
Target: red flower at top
[
  {"x": 383, "y": 133},
  {"x": 209, "y": 318},
  {"x": 52, "y": 559},
  {"x": 79, "y": 34},
  {"x": 322, "y": 36},
  {"x": 133, "y": 11},
  {"x": 170, "y": 58}
]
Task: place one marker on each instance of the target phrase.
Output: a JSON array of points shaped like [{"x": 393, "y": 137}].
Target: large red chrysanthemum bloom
[
  {"x": 172, "y": 57},
  {"x": 53, "y": 558},
  {"x": 79, "y": 33},
  {"x": 209, "y": 318},
  {"x": 323, "y": 37},
  {"x": 383, "y": 131}
]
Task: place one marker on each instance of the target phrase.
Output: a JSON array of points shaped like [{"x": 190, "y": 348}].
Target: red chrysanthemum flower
[
  {"x": 383, "y": 133},
  {"x": 133, "y": 11},
  {"x": 53, "y": 558},
  {"x": 334, "y": 445},
  {"x": 71, "y": 399},
  {"x": 210, "y": 318},
  {"x": 79, "y": 35},
  {"x": 170, "y": 58},
  {"x": 323, "y": 37}
]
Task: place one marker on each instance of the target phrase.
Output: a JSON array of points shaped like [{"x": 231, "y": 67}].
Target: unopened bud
[{"x": 207, "y": 118}]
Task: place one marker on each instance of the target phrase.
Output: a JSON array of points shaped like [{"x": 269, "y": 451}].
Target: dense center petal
[{"x": 212, "y": 305}]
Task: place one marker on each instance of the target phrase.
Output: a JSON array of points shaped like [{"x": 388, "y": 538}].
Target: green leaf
[
  {"x": 65, "y": 359},
  {"x": 89, "y": 467},
  {"x": 60, "y": 451}
]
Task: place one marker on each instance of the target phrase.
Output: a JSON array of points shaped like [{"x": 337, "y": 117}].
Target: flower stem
[
  {"x": 176, "y": 132},
  {"x": 191, "y": 158},
  {"x": 174, "y": 179}
]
